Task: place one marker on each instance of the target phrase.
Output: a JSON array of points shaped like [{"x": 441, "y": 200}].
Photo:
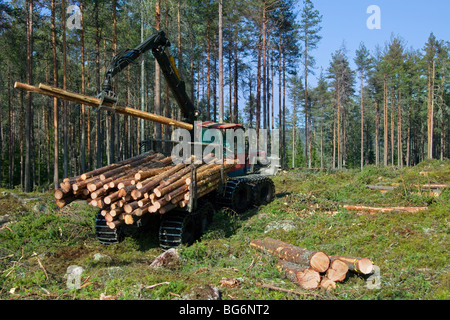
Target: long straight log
[
  {"x": 154, "y": 181},
  {"x": 169, "y": 196},
  {"x": 212, "y": 169},
  {"x": 144, "y": 174},
  {"x": 318, "y": 260},
  {"x": 95, "y": 102},
  {"x": 99, "y": 171},
  {"x": 384, "y": 209},
  {"x": 123, "y": 168}
]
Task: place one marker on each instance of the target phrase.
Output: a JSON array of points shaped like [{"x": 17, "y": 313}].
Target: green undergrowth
[{"x": 38, "y": 242}]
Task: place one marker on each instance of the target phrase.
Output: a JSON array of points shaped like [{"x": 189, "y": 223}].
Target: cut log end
[
  {"x": 308, "y": 279},
  {"x": 365, "y": 266},
  {"x": 327, "y": 284},
  {"x": 337, "y": 270},
  {"x": 319, "y": 261}
]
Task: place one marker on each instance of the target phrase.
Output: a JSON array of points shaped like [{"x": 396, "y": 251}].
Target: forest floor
[{"x": 38, "y": 242}]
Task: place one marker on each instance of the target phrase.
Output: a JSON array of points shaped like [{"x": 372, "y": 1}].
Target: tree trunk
[
  {"x": 208, "y": 65},
  {"x": 392, "y": 126},
  {"x": 317, "y": 260},
  {"x": 29, "y": 109},
  {"x": 11, "y": 144},
  {"x": 377, "y": 134},
  {"x": 306, "y": 95},
  {"x": 55, "y": 101},
  {"x": 157, "y": 90},
  {"x": 362, "y": 124},
  {"x": 263, "y": 52},
  {"x": 279, "y": 96},
  {"x": 385, "y": 123},
  {"x": 293, "y": 135},
  {"x": 65, "y": 111},
  {"x": 83, "y": 111},
  {"x": 220, "y": 61},
  {"x": 236, "y": 77},
  {"x": 399, "y": 133},
  {"x": 167, "y": 104},
  {"x": 258, "y": 89},
  {"x": 99, "y": 135}
]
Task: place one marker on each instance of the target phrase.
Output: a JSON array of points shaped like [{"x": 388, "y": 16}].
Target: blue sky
[{"x": 344, "y": 21}]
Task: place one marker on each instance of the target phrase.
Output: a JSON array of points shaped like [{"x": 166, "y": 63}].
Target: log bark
[
  {"x": 317, "y": 260},
  {"x": 357, "y": 265}
]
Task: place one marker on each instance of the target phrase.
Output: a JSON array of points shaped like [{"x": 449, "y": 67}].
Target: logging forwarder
[
  {"x": 247, "y": 184},
  {"x": 243, "y": 185}
]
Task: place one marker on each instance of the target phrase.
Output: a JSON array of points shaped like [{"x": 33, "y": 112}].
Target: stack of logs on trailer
[
  {"x": 312, "y": 269},
  {"x": 147, "y": 183}
]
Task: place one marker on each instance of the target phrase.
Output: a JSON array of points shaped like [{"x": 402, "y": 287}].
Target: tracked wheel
[
  {"x": 236, "y": 195},
  {"x": 106, "y": 235},
  {"x": 183, "y": 228},
  {"x": 262, "y": 189}
]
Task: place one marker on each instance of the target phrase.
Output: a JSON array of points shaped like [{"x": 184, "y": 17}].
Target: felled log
[
  {"x": 317, "y": 260},
  {"x": 304, "y": 276},
  {"x": 65, "y": 201},
  {"x": 60, "y": 194},
  {"x": 384, "y": 209},
  {"x": 357, "y": 265},
  {"x": 337, "y": 271},
  {"x": 381, "y": 188}
]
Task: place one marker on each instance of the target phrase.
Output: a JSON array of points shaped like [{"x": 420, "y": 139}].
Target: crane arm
[{"x": 157, "y": 43}]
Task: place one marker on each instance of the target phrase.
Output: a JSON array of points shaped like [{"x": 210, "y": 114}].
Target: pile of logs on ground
[
  {"x": 312, "y": 269},
  {"x": 147, "y": 183}
]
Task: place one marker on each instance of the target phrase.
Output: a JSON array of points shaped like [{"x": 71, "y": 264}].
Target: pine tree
[
  {"x": 309, "y": 35},
  {"x": 364, "y": 63}
]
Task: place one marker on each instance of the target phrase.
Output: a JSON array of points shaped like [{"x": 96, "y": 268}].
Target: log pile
[
  {"x": 146, "y": 184},
  {"x": 312, "y": 269}
]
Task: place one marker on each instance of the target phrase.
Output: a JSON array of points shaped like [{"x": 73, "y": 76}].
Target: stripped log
[
  {"x": 317, "y": 260},
  {"x": 383, "y": 209}
]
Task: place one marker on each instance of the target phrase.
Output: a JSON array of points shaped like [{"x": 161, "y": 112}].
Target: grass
[{"x": 410, "y": 249}]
